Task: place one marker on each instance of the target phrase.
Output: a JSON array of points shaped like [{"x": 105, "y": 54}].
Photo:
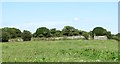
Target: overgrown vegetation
[{"x": 60, "y": 51}]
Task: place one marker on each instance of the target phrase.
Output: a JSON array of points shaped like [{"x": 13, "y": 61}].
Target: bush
[{"x": 26, "y": 35}]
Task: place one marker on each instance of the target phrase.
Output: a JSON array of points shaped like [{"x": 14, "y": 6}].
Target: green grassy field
[{"x": 60, "y": 51}]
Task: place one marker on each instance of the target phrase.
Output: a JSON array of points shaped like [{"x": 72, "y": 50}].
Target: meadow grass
[{"x": 60, "y": 51}]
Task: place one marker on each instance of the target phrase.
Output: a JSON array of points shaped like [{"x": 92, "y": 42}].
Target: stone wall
[
  {"x": 59, "y": 38},
  {"x": 15, "y": 40},
  {"x": 100, "y": 38},
  {"x": 51, "y": 38}
]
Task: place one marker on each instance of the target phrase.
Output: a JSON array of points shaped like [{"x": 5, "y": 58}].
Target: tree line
[{"x": 7, "y": 33}]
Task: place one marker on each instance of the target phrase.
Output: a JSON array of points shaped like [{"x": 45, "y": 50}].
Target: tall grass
[{"x": 60, "y": 51}]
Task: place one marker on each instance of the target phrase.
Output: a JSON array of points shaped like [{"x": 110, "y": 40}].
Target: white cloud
[{"x": 76, "y": 19}]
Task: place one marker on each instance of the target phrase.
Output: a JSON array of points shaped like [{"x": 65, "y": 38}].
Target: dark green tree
[
  {"x": 26, "y": 35},
  {"x": 85, "y": 34},
  {"x": 75, "y": 32},
  {"x": 4, "y": 36},
  {"x": 69, "y": 31},
  {"x": 58, "y": 33},
  {"x": 34, "y": 35},
  {"x": 42, "y": 32},
  {"x": 53, "y": 32},
  {"x": 99, "y": 31},
  {"x": 13, "y": 32},
  {"x": 109, "y": 35},
  {"x": 118, "y": 35},
  {"x": 80, "y": 32},
  {"x": 91, "y": 34}
]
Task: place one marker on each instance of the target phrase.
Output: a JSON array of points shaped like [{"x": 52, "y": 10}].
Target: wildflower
[{"x": 98, "y": 60}]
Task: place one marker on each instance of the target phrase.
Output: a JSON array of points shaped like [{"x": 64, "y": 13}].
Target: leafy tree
[
  {"x": 85, "y": 34},
  {"x": 4, "y": 36},
  {"x": 34, "y": 35},
  {"x": 17, "y": 32},
  {"x": 99, "y": 31},
  {"x": 115, "y": 38},
  {"x": 118, "y": 35},
  {"x": 109, "y": 35},
  {"x": 75, "y": 32},
  {"x": 26, "y": 35},
  {"x": 91, "y": 34},
  {"x": 42, "y": 32},
  {"x": 53, "y": 32},
  {"x": 70, "y": 31},
  {"x": 80, "y": 32},
  {"x": 58, "y": 33},
  {"x": 13, "y": 32}
]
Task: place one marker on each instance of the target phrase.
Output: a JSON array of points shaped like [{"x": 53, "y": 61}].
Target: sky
[
  {"x": 59, "y": 0},
  {"x": 81, "y": 15}
]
